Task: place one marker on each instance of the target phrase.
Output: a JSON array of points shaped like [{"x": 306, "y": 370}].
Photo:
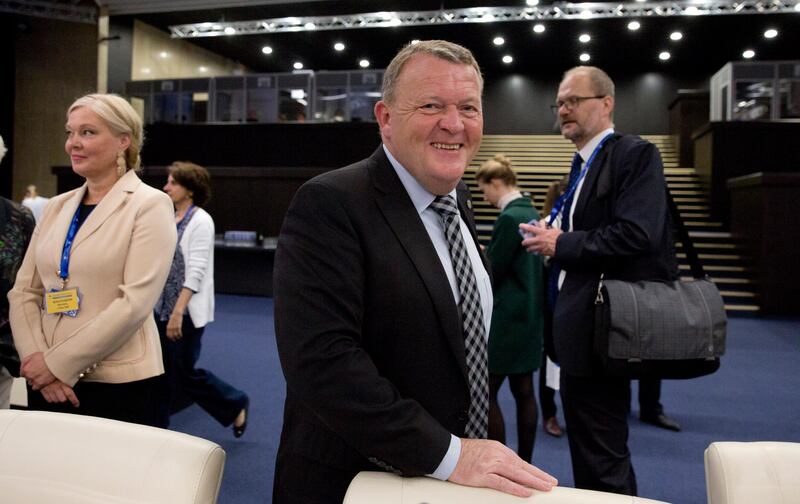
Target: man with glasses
[{"x": 614, "y": 221}]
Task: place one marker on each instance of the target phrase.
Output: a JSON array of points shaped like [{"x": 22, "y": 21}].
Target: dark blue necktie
[{"x": 555, "y": 270}]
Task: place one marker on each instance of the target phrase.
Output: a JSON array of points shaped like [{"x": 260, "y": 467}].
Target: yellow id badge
[{"x": 62, "y": 301}]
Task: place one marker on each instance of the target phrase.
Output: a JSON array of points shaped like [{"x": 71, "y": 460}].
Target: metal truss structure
[
  {"x": 63, "y": 11},
  {"x": 555, "y": 11}
]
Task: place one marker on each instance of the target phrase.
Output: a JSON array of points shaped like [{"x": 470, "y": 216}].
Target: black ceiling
[{"x": 708, "y": 41}]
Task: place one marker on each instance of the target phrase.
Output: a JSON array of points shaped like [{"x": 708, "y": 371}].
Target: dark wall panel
[{"x": 7, "y": 79}]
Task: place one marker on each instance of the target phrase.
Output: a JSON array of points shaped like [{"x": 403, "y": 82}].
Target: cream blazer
[{"x": 119, "y": 262}]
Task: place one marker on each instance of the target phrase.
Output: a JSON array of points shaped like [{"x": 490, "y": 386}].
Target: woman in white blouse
[{"x": 187, "y": 303}]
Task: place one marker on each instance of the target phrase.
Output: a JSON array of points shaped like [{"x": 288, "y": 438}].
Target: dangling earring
[{"x": 122, "y": 165}]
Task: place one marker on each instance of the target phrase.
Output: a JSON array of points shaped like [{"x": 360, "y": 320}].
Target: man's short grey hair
[
  {"x": 441, "y": 49},
  {"x": 602, "y": 85}
]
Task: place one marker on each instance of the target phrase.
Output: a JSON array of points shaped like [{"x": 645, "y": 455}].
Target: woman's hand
[
  {"x": 174, "y": 326},
  {"x": 34, "y": 369},
  {"x": 59, "y": 392}
]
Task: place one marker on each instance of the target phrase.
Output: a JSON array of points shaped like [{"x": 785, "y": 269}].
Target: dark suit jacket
[
  {"x": 368, "y": 333},
  {"x": 621, "y": 228}
]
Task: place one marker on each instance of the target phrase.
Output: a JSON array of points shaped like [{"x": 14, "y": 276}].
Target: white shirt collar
[
  {"x": 421, "y": 198},
  {"x": 503, "y": 202},
  {"x": 591, "y": 144}
]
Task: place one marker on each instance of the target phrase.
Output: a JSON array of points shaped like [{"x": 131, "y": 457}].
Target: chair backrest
[
  {"x": 745, "y": 473},
  {"x": 372, "y": 487},
  {"x": 75, "y": 459}
]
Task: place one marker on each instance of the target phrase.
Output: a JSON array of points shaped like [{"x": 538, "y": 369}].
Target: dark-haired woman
[{"x": 187, "y": 303}]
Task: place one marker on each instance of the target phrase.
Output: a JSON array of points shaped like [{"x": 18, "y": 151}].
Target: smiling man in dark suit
[
  {"x": 382, "y": 301},
  {"x": 614, "y": 220}
]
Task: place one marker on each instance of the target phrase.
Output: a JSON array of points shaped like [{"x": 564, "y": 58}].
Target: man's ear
[{"x": 383, "y": 116}]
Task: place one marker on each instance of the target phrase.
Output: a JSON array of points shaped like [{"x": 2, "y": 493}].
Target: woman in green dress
[{"x": 515, "y": 338}]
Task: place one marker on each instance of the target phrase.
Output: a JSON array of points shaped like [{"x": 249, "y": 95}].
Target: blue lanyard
[
  {"x": 63, "y": 273},
  {"x": 574, "y": 186}
]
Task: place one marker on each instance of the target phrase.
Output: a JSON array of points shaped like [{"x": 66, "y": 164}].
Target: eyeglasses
[{"x": 573, "y": 101}]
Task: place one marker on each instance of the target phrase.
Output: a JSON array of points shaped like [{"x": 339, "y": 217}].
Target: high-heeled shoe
[{"x": 238, "y": 430}]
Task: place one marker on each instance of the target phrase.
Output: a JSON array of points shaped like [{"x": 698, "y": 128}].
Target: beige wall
[
  {"x": 56, "y": 62},
  {"x": 157, "y": 56}
]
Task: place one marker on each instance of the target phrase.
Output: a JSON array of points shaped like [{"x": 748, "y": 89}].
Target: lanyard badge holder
[{"x": 65, "y": 301}]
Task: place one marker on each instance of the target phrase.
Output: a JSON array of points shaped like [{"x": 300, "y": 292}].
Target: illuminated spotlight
[
  {"x": 634, "y": 25},
  {"x": 202, "y": 69},
  {"x": 310, "y": 26},
  {"x": 229, "y": 30},
  {"x": 163, "y": 55},
  {"x": 664, "y": 55},
  {"x": 771, "y": 33},
  {"x": 338, "y": 46},
  {"x": 507, "y": 59},
  {"x": 531, "y": 3},
  {"x": 675, "y": 36},
  {"x": 415, "y": 42},
  {"x": 395, "y": 22},
  {"x": 539, "y": 27},
  {"x": 584, "y": 57},
  {"x": 586, "y": 14},
  {"x": 585, "y": 38},
  {"x": 797, "y": 6},
  {"x": 692, "y": 11},
  {"x": 640, "y": 0},
  {"x": 498, "y": 41},
  {"x": 297, "y": 65},
  {"x": 749, "y": 53},
  {"x": 364, "y": 63},
  {"x": 266, "y": 49},
  {"x": 145, "y": 70}
]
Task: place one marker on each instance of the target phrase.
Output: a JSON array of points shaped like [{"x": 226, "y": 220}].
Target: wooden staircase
[{"x": 540, "y": 159}]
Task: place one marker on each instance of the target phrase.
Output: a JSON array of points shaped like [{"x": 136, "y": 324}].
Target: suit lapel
[
  {"x": 401, "y": 216},
  {"x": 590, "y": 182},
  {"x": 115, "y": 198}
]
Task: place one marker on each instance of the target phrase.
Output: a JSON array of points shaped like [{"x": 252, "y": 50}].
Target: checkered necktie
[{"x": 471, "y": 318}]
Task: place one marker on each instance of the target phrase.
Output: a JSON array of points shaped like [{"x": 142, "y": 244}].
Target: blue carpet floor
[{"x": 754, "y": 396}]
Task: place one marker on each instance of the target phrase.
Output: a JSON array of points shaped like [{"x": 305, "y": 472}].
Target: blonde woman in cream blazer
[{"x": 105, "y": 359}]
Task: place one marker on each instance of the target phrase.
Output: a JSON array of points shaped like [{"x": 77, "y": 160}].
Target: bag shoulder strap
[{"x": 683, "y": 234}]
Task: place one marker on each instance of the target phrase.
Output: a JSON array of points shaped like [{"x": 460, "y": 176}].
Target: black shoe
[
  {"x": 238, "y": 431},
  {"x": 661, "y": 420}
]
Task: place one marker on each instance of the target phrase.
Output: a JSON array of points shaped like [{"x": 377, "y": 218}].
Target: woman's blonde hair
[
  {"x": 121, "y": 120},
  {"x": 499, "y": 167}
]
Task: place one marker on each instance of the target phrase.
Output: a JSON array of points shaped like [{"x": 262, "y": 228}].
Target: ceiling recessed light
[
  {"x": 584, "y": 57},
  {"x": 771, "y": 33},
  {"x": 202, "y": 69},
  {"x": 634, "y": 25},
  {"x": 297, "y": 65},
  {"x": 364, "y": 63},
  {"x": 675, "y": 35},
  {"x": 229, "y": 30},
  {"x": 266, "y": 49},
  {"x": 664, "y": 55},
  {"x": 692, "y": 11},
  {"x": 749, "y": 53},
  {"x": 163, "y": 55},
  {"x": 498, "y": 41},
  {"x": 507, "y": 59},
  {"x": 539, "y": 27},
  {"x": 338, "y": 46},
  {"x": 531, "y": 3},
  {"x": 585, "y": 38},
  {"x": 310, "y": 26}
]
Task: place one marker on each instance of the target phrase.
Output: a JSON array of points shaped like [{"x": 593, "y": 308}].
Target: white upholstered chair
[
  {"x": 386, "y": 488},
  {"x": 74, "y": 459},
  {"x": 755, "y": 472}
]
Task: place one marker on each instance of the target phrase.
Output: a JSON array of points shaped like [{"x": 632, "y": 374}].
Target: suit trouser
[
  {"x": 650, "y": 397},
  {"x": 218, "y": 398},
  {"x": 596, "y": 411}
]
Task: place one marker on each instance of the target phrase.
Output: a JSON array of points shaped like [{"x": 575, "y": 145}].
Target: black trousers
[
  {"x": 135, "y": 402},
  {"x": 596, "y": 411}
]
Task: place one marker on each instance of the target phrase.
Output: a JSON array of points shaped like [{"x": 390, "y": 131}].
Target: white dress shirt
[{"x": 421, "y": 198}]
